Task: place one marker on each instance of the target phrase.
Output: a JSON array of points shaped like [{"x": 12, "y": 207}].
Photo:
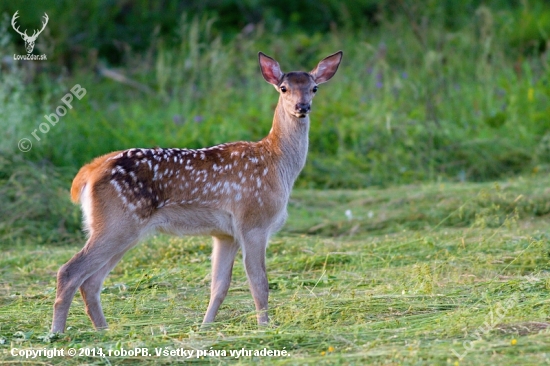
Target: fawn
[{"x": 235, "y": 192}]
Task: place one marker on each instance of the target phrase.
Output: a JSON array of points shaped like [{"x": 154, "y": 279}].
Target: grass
[{"x": 428, "y": 274}]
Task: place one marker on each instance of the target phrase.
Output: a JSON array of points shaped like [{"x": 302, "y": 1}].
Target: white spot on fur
[
  {"x": 226, "y": 186},
  {"x": 117, "y": 186},
  {"x": 124, "y": 199}
]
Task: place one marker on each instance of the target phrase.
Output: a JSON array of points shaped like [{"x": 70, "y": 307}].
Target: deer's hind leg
[
  {"x": 87, "y": 269},
  {"x": 91, "y": 292}
]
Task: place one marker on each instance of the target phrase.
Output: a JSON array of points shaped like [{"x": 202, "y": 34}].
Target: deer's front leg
[
  {"x": 254, "y": 246},
  {"x": 223, "y": 256}
]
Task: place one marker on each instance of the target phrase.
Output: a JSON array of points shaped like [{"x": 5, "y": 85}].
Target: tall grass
[
  {"x": 414, "y": 101},
  {"x": 16, "y": 103}
]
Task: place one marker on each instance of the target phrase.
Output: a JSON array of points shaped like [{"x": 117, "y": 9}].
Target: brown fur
[{"x": 88, "y": 174}]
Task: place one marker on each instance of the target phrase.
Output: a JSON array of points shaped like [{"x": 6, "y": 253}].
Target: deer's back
[{"x": 205, "y": 191}]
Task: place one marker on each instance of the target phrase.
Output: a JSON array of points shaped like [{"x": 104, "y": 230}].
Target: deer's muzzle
[{"x": 302, "y": 109}]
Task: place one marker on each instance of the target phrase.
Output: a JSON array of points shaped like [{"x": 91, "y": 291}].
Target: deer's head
[
  {"x": 29, "y": 40},
  {"x": 298, "y": 88}
]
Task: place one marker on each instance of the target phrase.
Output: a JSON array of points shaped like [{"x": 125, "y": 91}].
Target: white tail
[
  {"x": 235, "y": 192},
  {"x": 29, "y": 40}
]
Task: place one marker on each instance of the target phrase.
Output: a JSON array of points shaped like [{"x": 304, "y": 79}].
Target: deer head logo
[{"x": 29, "y": 40}]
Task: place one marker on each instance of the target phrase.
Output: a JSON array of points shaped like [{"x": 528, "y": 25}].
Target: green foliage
[
  {"x": 532, "y": 28},
  {"x": 412, "y": 101},
  {"x": 16, "y": 103},
  {"x": 35, "y": 204}
]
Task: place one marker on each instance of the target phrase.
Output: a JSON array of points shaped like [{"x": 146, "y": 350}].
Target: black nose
[{"x": 303, "y": 107}]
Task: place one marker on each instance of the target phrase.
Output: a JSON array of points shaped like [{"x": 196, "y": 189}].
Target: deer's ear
[
  {"x": 270, "y": 69},
  {"x": 326, "y": 69}
]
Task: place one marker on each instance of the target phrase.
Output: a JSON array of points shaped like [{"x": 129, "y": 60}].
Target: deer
[
  {"x": 236, "y": 192},
  {"x": 29, "y": 40}
]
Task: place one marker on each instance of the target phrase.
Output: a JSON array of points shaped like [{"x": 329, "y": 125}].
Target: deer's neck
[{"x": 288, "y": 139}]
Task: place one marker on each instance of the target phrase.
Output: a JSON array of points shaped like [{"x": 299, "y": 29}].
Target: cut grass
[{"x": 432, "y": 274}]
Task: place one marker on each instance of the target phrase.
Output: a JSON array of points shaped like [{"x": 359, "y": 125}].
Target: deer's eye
[
  {"x": 315, "y": 88},
  {"x": 283, "y": 89}
]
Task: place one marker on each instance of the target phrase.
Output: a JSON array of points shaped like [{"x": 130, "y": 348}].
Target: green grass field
[
  {"x": 418, "y": 231},
  {"x": 426, "y": 274}
]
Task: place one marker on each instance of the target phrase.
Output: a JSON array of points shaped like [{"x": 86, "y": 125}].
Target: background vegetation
[
  {"x": 399, "y": 245},
  {"x": 427, "y": 91}
]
